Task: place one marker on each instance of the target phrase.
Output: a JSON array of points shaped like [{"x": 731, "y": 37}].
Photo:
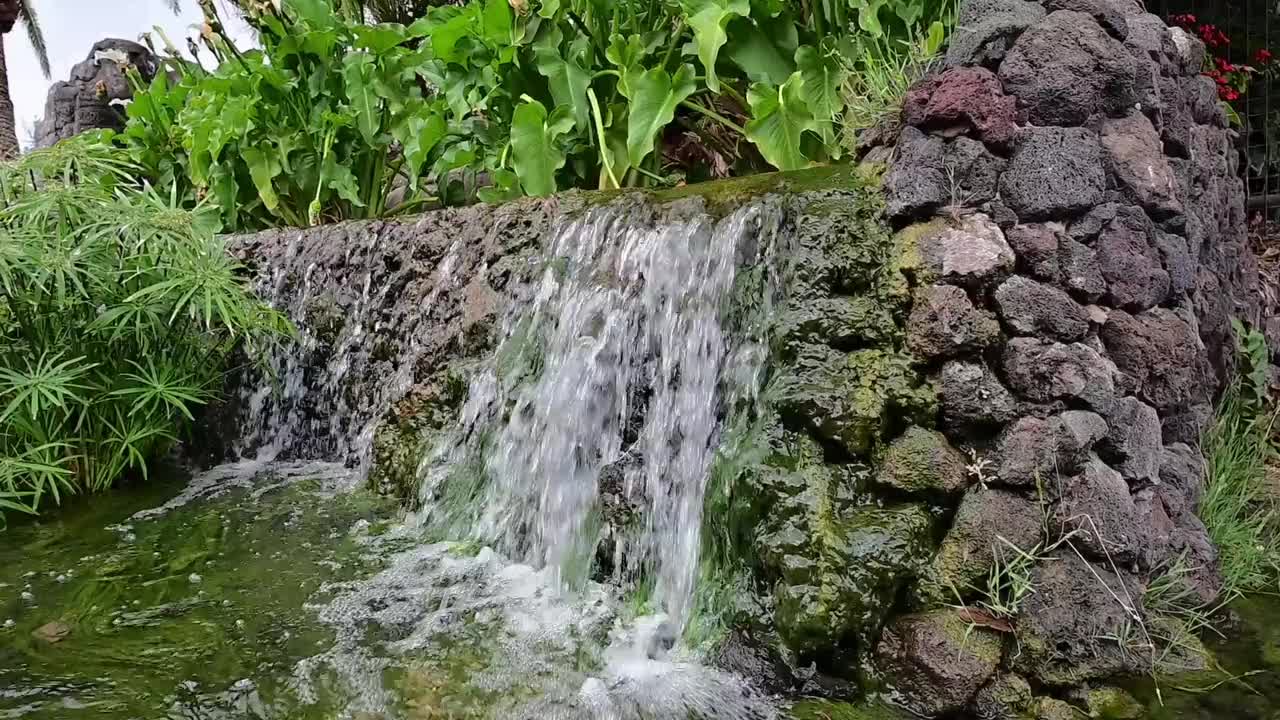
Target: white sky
[{"x": 71, "y": 27}]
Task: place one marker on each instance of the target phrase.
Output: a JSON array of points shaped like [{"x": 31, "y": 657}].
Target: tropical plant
[
  {"x": 116, "y": 314},
  {"x": 11, "y": 13},
  {"x": 496, "y": 98}
]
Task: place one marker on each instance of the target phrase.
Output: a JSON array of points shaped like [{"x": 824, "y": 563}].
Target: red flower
[
  {"x": 1228, "y": 94},
  {"x": 1263, "y": 56}
]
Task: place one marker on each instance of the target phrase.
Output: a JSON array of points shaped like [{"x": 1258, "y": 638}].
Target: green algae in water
[
  {"x": 163, "y": 615},
  {"x": 1249, "y": 653}
]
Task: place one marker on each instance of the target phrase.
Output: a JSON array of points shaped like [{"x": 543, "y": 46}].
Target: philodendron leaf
[
  {"x": 758, "y": 53},
  {"x": 780, "y": 120},
  {"x": 358, "y": 72},
  {"x": 338, "y": 177},
  {"x": 418, "y": 135},
  {"x": 566, "y": 77},
  {"x": 869, "y": 16},
  {"x": 654, "y": 96},
  {"x": 549, "y": 8},
  {"x": 378, "y": 39},
  {"x": 535, "y": 146},
  {"x": 264, "y": 167},
  {"x": 708, "y": 19},
  {"x": 822, "y": 75}
]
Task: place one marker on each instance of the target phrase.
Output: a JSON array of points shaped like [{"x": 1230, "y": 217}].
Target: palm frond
[{"x": 36, "y": 35}]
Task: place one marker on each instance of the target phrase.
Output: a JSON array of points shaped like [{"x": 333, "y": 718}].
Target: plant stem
[
  {"x": 714, "y": 116},
  {"x": 675, "y": 43}
]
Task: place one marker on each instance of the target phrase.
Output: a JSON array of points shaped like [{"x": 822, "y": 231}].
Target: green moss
[
  {"x": 834, "y": 710},
  {"x": 907, "y": 256},
  {"x": 855, "y": 399},
  {"x": 1109, "y": 703},
  {"x": 922, "y": 461}
]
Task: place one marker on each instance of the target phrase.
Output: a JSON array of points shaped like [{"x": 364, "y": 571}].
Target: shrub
[
  {"x": 117, "y": 312},
  {"x": 496, "y": 98}
]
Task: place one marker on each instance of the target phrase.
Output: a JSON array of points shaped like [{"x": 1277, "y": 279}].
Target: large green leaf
[
  {"x": 418, "y": 135},
  {"x": 316, "y": 13},
  {"x": 378, "y": 39},
  {"x": 264, "y": 167},
  {"x": 869, "y": 15},
  {"x": 446, "y": 35},
  {"x": 358, "y": 70},
  {"x": 549, "y": 8},
  {"x": 822, "y": 75},
  {"x": 337, "y": 176},
  {"x": 780, "y": 120},
  {"x": 566, "y": 76},
  {"x": 496, "y": 22},
  {"x": 537, "y": 153},
  {"x": 758, "y": 53},
  {"x": 708, "y": 19},
  {"x": 654, "y": 96}
]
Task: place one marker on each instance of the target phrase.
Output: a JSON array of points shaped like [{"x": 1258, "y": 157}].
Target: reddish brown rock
[{"x": 963, "y": 99}]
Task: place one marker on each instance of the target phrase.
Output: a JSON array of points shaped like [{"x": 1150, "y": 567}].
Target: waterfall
[{"x": 636, "y": 356}]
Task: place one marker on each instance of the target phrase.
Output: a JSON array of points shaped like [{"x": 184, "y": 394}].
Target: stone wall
[{"x": 1071, "y": 190}]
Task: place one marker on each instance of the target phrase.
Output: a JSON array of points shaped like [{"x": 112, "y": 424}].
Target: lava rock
[
  {"x": 747, "y": 656},
  {"x": 963, "y": 99},
  {"x": 1037, "y": 249},
  {"x": 1133, "y": 444},
  {"x": 988, "y": 28},
  {"x": 1188, "y": 424},
  {"x": 1064, "y": 628},
  {"x": 1054, "y": 172},
  {"x": 1182, "y": 477},
  {"x": 1110, "y": 703},
  {"x": 838, "y": 574},
  {"x": 1066, "y": 70},
  {"x": 1112, "y": 15},
  {"x": 1031, "y": 308},
  {"x": 1050, "y": 708},
  {"x": 1006, "y": 697},
  {"x": 973, "y": 174},
  {"x": 971, "y": 394},
  {"x": 1130, "y": 262},
  {"x": 1151, "y": 42},
  {"x": 852, "y": 399},
  {"x": 916, "y": 184},
  {"x": 1202, "y": 573},
  {"x": 922, "y": 461},
  {"x": 1036, "y": 451},
  {"x": 1135, "y": 158},
  {"x": 1164, "y": 356},
  {"x": 972, "y": 253},
  {"x": 1044, "y": 372},
  {"x": 936, "y": 661},
  {"x": 1081, "y": 272},
  {"x": 986, "y": 523},
  {"x": 1190, "y": 49},
  {"x": 1177, "y": 261},
  {"x": 944, "y": 323},
  {"x": 1087, "y": 227},
  {"x": 1097, "y": 508},
  {"x": 845, "y": 322},
  {"x": 1156, "y": 529}
]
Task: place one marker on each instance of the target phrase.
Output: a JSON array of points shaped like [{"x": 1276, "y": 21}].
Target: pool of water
[{"x": 274, "y": 592}]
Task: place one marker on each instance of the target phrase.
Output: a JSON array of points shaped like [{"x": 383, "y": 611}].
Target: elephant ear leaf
[
  {"x": 654, "y": 96},
  {"x": 822, "y": 75},
  {"x": 535, "y": 145},
  {"x": 264, "y": 167},
  {"x": 566, "y": 77},
  {"x": 358, "y": 72},
  {"x": 708, "y": 19},
  {"x": 780, "y": 118}
]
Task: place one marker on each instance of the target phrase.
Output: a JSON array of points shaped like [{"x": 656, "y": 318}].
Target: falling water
[{"x": 630, "y": 325}]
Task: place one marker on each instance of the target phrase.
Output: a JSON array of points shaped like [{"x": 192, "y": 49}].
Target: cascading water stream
[{"x": 637, "y": 363}]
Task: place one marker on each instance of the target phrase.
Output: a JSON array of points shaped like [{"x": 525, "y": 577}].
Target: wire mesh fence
[{"x": 1241, "y": 38}]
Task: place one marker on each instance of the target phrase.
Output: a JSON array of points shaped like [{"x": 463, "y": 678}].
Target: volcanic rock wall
[{"x": 1070, "y": 186}]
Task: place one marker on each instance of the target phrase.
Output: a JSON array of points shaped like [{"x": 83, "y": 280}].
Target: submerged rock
[
  {"x": 1006, "y": 697},
  {"x": 937, "y": 661}
]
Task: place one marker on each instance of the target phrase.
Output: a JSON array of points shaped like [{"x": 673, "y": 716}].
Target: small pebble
[
  {"x": 9, "y": 623},
  {"x": 28, "y": 597},
  {"x": 61, "y": 578},
  {"x": 239, "y": 623},
  {"x": 194, "y": 579}
]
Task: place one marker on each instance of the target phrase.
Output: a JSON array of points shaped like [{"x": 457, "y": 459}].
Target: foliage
[
  {"x": 878, "y": 76},
  {"x": 496, "y": 99},
  {"x": 1239, "y": 510},
  {"x": 116, "y": 311}
]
